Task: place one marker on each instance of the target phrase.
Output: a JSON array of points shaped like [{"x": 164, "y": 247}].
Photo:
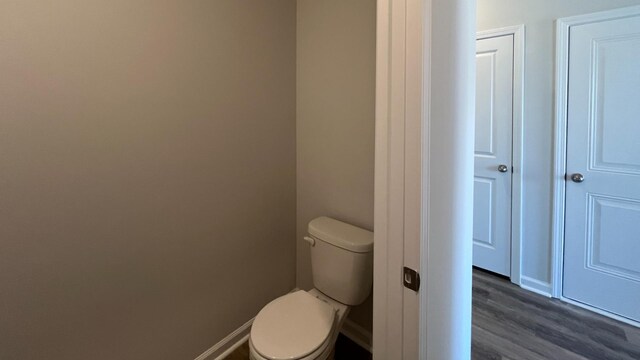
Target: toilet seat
[
  {"x": 294, "y": 326},
  {"x": 322, "y": 353}
]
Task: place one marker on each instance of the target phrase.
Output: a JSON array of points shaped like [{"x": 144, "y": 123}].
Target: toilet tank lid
[{"x": 341, "y": 234}]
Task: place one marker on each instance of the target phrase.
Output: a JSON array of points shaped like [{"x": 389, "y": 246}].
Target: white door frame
[
  {"x": 425, "y": 109},
  {"x": 517, "y": 139},
  {"x": 398, "y": 174},
  {"x": 563, "y": 27}
]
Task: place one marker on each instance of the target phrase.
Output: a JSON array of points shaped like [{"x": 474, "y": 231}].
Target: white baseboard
[
  {"x": 227, "y": 345},
  {"x": 357, "y": 334},
  {"x": 536, "y": 286}
]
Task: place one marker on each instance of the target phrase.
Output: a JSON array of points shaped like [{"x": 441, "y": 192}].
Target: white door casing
[
  {"x": 493, "y": 154},
  {"x": 398, "y": 174},
  {"x": 602, "y": 216},
  {"x": 412, "y": 123}
]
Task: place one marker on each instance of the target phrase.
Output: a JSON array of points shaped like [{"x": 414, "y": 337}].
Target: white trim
[
  {"x": 560, "y": 161},
  {"x": 357, "y": 334},
  {"x": 621, "y": 13},
  {"x": 560, "y": 164},
  {"x": 398, "y": 177},
  {"x": 389, "y": 180},
  {"x": 227, "y": 345},
  {"x": 233, "y": 347},
  {"x": 414, "y": 171},
  {"x": 518, "y": 33},
  {"x": 507, "y": 30},
  {"x": 427, "y": 13},
  {"x": 381, "y": 173},
  {"x": 536, "y": 286},
  {"x": 601, "y": 312}
]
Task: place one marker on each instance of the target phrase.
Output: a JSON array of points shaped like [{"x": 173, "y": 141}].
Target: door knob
[
  {"x": 577, "y": 178},
  {"x": 503, "y": 168}
]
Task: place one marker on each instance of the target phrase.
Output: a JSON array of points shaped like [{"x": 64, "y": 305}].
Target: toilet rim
[
  {"x": 293, "y": 326},
  {"x": 312, "y": 354}
]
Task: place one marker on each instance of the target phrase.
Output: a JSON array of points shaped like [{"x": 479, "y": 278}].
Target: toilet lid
[{"x": 292, "y": 326}]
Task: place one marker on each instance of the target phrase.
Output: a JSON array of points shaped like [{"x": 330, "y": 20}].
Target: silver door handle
[
  {"x": 577, "y": 178},
  {"x": 503, "y": 168}
]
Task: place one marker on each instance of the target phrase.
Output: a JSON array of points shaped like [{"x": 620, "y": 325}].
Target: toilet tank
[{"x": 341, "y": 260}]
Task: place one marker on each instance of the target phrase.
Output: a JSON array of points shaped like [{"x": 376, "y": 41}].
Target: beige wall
[
  {"x": 539, "y": 17},
  {"x": 147, "y": 182},
  {"x": 335, "y": 120}
]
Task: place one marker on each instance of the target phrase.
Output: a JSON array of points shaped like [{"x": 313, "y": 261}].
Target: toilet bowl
[
  {"x": 301, "y": 325},
  {"x": 304, "y": 325}
]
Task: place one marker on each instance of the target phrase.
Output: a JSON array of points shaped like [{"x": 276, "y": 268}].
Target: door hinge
[{"x": 411, "y": 279}]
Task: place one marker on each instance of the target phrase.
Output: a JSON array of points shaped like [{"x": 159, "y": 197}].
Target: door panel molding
[
  {"x": 518, "y": 33},
  {"x": 597, "y": 205},
  {"x": 563, "y": 27}
]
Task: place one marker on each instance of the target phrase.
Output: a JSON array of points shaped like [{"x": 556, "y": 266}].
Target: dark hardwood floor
[
  {"x": 511, "y": 323},
  {"x": 514, "y": 324}
]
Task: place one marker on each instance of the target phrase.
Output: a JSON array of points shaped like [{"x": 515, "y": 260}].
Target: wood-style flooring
[{"x": 510, "y": 323}]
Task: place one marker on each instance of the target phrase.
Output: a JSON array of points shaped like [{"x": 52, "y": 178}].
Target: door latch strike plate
[{"x": 411, "y": 279}]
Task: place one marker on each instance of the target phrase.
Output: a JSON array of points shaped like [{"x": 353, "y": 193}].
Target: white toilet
[{"x": 304, "y": 325}]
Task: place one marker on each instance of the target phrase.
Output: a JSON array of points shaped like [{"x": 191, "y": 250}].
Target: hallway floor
[{"x": 512, "y": 323}]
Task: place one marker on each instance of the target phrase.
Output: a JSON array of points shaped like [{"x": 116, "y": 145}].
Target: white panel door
[
  {"x": 493, "y": 152},
  {"x": 602, "y": 225}
]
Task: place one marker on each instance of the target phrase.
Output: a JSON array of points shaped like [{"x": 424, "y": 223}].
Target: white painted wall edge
[
  {"x": 450, "y": 123},
  {"x": 227, "y": 345}
]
